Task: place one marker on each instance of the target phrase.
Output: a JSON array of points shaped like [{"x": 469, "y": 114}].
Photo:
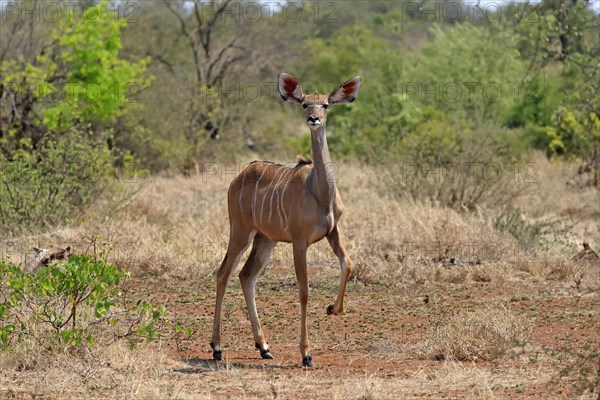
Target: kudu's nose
[{"x": 312, "y": 119}]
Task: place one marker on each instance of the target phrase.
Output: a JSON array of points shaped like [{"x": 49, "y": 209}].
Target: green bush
[
  {"x": 71, "y": 303},
  {"x": 52, "y": 184},
  {"x": 455, "y": 166},
  {"x": 526, "y": 232},
  {"x": 575, "y": 135},
  {"x": 469, "y": 72}
]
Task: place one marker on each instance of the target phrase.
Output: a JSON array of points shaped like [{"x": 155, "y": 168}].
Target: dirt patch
[
  {"x": 371, "y": 346},
  {"x": 368, "y": 352}
]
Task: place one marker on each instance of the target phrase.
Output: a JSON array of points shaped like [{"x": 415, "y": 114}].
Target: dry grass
[
  {"x": 550, "y": 198},
  {"x": 176, "y": 229},
  {"x": 481, "y": 335},
  {"x": 411, "y": 242},
  {"x": 117, "y": 372},
  {"x": 114, "y": 371}
]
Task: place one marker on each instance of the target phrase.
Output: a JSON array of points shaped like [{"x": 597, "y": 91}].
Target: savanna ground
[{"x": 440, "y": 304}]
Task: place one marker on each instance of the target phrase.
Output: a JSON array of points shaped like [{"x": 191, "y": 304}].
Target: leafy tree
[
  {"x": 55, "y": 113},
  {"x": 539, "y": 97},
  {"x": 103, "y": 84},
  {"x": 561, "y": 43},
  {"x": 576, "y": 134},
  {"x": 77, "y": 80},
  {"x": 468, "y": 71}
]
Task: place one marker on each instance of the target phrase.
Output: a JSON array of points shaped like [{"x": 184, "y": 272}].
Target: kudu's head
[{"x": 316, "y": 105}]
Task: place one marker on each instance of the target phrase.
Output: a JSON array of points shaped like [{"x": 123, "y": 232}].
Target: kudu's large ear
[
  {"x": 289, "y": 89},
  {"x": 346, "y": 92}
]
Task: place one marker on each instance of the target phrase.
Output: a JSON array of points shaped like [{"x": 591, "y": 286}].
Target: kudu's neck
[{"x": 323, "y": 179}]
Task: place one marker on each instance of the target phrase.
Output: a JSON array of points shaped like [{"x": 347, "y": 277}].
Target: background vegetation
[{"x": 170, "y": 86}]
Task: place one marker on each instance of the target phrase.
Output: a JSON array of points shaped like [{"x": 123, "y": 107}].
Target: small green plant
[
  {"x": 182, "y": 335},
  {"x": 514, "y": 222},
  {"x": 66, "y": 302}
]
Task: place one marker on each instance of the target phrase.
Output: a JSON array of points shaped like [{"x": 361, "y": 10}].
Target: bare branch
[
  {"x": 226, "y": 66},
  {"x": 218, "y": 13},
  {"x": 167, "y": 3},
  {"x": 212, "y": 64},
  {"x": 161, "y": 60},
  {"x": 205, "y": 29},
  {"x": 188, "y": 35}
]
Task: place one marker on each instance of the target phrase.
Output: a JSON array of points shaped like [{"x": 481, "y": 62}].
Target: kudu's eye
[
  {"x": 304, "y": 105},
  {"x": 326, "y": 106}
]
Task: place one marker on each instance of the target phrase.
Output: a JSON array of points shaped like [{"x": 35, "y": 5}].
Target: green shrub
[
  {"x": 71, "y": 303},
  {"x": 469, "y": 72},
  {"x": 53, "y": 183},
  {"x": 528, "y": 233},
  {"x": 452, "y": 165},
  {"x": 575, "y": 135}
]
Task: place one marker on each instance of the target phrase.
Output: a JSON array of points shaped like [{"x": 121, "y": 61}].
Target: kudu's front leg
[
  {"x": 302, "y": 278},
  {"x": 338, "y": 244}
]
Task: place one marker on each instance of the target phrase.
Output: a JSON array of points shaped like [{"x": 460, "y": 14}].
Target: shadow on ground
[{"x": 199, "y": 365}]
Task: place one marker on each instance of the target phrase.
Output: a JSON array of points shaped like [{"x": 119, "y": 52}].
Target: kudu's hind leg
[
  {"x": 338, "y": 244},
  {"x": 262, "y": 248},
  {"x": 239, "y": 240}
]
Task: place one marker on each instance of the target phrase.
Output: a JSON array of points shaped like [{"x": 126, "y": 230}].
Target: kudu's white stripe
[
  {"x": 276, "y": 190},
  {"x": 267, "y": 192},
  {"x": 255, "y": 194},
  {"x": 279, "y": 200},
  {"x": 283, "y": 194},
  {"x": 241, "y": 192}
]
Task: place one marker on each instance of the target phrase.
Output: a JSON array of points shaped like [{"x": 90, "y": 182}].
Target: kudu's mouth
[{"x": 313, "y": 121}]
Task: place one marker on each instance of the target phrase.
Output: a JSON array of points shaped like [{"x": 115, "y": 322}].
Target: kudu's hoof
[
  {"x": 266, "y": 354},
  {"x": 330, "y": 310},
  {"x": 217, "y": 354},
  {"x": 307, "y": 361}
]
